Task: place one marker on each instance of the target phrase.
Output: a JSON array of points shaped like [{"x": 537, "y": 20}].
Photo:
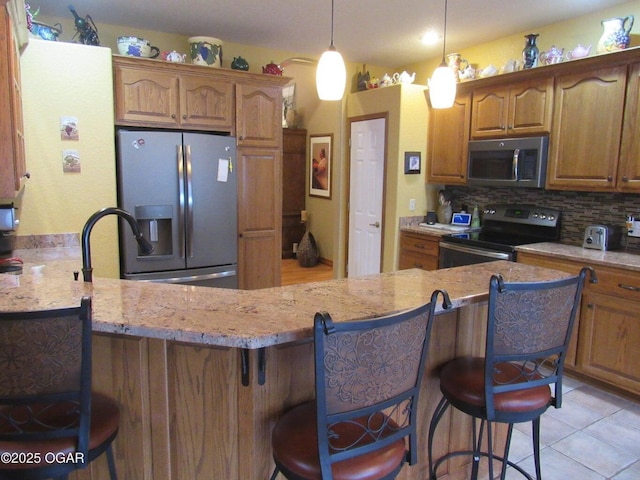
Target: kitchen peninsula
[{"x": 202, "y": 374}]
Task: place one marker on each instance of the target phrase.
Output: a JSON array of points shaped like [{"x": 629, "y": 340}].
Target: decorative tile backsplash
[{"x": 579, "y": 209}]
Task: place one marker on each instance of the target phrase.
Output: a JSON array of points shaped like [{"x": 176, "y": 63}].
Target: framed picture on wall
[
  {"x": 411, "y": 162},
  {"x": 320, "y": 165}
]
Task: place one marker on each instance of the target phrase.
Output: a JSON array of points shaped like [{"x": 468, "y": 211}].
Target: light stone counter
[
  {"x": 615, "y": 258},
  {"x": 237, "y": 318}
]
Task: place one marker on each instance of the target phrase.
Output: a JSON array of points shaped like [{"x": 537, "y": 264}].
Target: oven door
[{"x": 457, "y": 255}]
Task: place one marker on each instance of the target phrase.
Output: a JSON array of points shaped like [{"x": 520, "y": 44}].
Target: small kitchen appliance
[{"x": 602, "y": 237}]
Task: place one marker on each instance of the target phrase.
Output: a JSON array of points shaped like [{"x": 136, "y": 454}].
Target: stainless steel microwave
[{"x": 510, "y": 162}]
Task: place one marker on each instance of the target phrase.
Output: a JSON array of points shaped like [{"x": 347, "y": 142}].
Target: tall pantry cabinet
[{"x": 248, "y": 106}]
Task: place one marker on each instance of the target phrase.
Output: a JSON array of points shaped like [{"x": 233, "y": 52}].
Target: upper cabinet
[
  {"x": 448, "y": 142},
  {"x": 154, "y": 95},
  {"x": 628, "y": 179},
  {"x": 259, "y": 116},
  {"x": 523, "y": 108},
  {"x": 590, "y": 108},
  {"x": 587, "y": 127},
  {"x": 12, "y": 151}
]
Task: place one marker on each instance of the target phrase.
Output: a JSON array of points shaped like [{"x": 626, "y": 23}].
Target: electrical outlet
[{"x": 412, "y": 204}]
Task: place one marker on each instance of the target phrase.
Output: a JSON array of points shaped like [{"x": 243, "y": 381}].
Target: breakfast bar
[{"x": 202, "y": 374}]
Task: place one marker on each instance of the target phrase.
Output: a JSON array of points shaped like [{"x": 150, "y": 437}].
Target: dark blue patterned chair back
[
  {"x": 528, "y": 334},
  {"x": 368, "y": 375}
]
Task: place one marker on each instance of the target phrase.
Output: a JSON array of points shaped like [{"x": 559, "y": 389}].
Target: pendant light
[
  {"x": 331, "y": 75},
  {"x": 442, "y": 86}
]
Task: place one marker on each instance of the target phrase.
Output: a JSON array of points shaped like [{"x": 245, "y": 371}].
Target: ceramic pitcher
[
  {"x": 456, "y": 63},
  {"x": 616, "y": 34}
]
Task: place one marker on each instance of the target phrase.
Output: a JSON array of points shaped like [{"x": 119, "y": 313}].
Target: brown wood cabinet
[
  {"x": 190, "y": 97},
  {"x": 294, "y": 161},
  {"x": 13, "y": 170},
  {"x": 151, "y": 95},
  {"x": 629, "y": 168},
  {"x": 523, "y": 108},
  {"x": 608, "y": 331},
  {"x": 587, "y": 128},
  {"x": 448, "y": 142},
  {"x": 259, "y": 137},
  {"x": 418, "y": 251}
]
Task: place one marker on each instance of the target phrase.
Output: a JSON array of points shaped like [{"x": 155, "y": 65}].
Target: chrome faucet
[{"x": 145, "y": 246}]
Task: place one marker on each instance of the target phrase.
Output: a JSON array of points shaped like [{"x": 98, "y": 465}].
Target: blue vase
[{"x": 530, "y": 51}]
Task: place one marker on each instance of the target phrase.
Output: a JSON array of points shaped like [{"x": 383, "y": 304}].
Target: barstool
[
  {"x": 367, "y": 378},
  {"x": 528, "y": 331},
  {"x": 50, "y": 422}
]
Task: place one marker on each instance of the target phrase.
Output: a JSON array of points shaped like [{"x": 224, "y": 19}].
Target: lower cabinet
[
  {"x": 608, "y": 329},
  {"x": 609, "y": 336},
  {"x": 418, "y": 251}
]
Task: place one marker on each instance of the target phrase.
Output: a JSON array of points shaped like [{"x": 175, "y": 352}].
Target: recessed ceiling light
[{"x": 431, "y": 37}]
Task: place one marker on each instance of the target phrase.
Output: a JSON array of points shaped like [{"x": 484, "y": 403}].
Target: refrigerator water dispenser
[{"x": 155, "y": 224}]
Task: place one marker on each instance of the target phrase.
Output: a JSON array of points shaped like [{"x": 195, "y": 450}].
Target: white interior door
[{"x": 366, "y": 183}]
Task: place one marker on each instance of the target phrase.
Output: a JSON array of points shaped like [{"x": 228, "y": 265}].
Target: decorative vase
[
  {"x": 444, "y": 212},
  {"x": 616, "y": 34},
  {"x": 454, "y": 62},
  {"x": 530, "y": 51},
  {"x": 307, "y": 250}
]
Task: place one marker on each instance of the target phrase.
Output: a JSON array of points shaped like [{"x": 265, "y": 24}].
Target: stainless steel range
[{"x": 505, "y": 226}]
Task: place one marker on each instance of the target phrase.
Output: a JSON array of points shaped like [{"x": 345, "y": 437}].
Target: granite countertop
[
  {"x": 238, "y": 318},
  {"x": 614, "y": 258}
]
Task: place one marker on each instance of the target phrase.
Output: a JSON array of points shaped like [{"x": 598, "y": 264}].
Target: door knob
[{"x": 377, "y": 224}]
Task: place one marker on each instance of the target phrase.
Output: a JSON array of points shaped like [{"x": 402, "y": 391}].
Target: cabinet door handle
[
  {"x": 629, "y": 287},
  {"x": 173, "y": 115},
  {"x": 184, "y": 117},
  {"x": 625, "y": 178},
  {"x": 419, "y": 245},
  {"x": 609, "y": 178}
]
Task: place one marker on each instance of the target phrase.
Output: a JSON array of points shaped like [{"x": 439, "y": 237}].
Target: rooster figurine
[{"x": 85, "y": 28}]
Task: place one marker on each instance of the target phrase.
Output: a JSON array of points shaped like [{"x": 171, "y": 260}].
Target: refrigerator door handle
[
  {"x": 189, "y": 203},
  {"x": 181, "y": 189}
]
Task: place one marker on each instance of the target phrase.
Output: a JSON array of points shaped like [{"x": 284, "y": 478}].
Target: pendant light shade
[
  {"x": 442, "y": 86},
  {"x": 331, "y": 75}
]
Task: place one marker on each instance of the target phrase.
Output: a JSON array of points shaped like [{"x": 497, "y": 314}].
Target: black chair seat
[
  {"x": 462, "y": 382},
  {"x": 295, "y": 446}
]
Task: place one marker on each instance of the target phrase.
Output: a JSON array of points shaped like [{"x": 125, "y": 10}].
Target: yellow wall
[{"x": 64, "y": 79}]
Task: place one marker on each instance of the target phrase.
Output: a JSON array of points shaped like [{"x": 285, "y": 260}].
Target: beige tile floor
[{"x": 594, "y": 436}]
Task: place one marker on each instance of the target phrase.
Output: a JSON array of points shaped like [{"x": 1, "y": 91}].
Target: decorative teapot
[
  {"x": 578, "y": 52},
  {"x": 240, "y": 63},
  {"x": 174, "y": 56},
  {"x": 386, "y": 80},
  {"x": 404, "y": 77},
  {"x": 468, "y": 73},
  {"x": 551, "y": 56},
  {"x": 272, "y": 69}
]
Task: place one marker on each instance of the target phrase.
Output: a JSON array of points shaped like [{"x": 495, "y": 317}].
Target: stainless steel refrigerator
[{"x": 182, "y": 189}]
